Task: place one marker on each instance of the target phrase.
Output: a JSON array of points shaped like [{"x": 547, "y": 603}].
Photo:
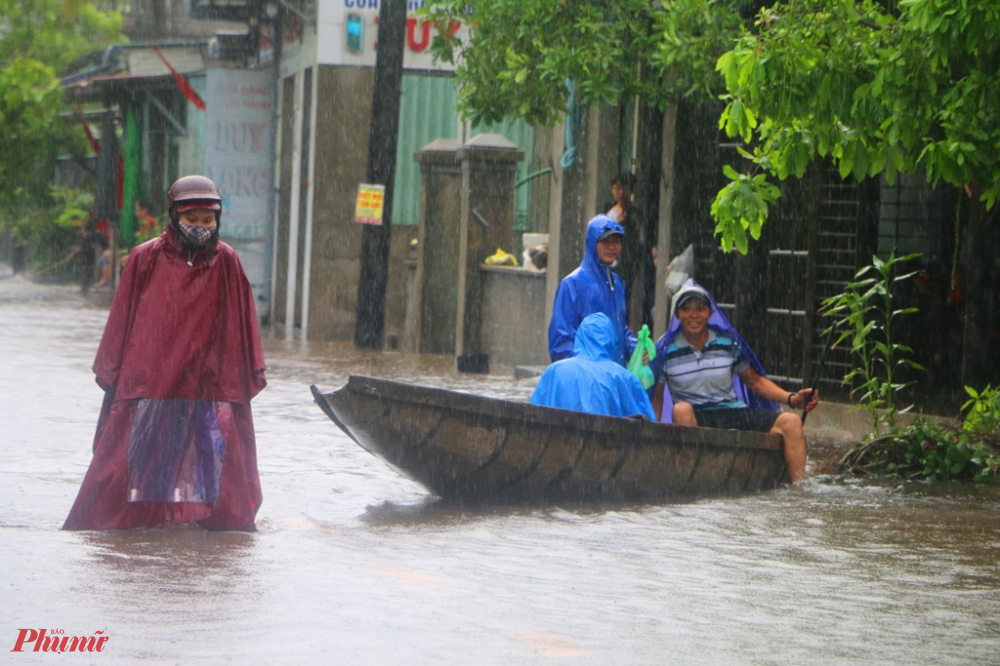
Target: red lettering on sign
[{"x": 425, "y": 39}]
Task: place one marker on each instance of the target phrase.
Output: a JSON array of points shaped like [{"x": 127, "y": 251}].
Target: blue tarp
[{"x": 592, "y": 380}]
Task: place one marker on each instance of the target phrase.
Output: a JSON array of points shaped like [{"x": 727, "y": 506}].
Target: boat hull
[{"x": 469, "y": 447}]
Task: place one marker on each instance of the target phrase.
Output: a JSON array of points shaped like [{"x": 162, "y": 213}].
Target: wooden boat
[{"x": 468, "y": 447}]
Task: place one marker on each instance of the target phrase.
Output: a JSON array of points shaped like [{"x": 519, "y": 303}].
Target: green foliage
[
  {"x": 869, "y": 88},
  {"x": 742, "y": 206},
  {"x": 864, "y": 315},
  {"x": 30, "y": 100},
  {"x": 55, "y": 32},
  {"x": 869, "y": 85},
  {"x": 973, "y": 451},
  {"x": 520, "y": 53},
  {"x": 983, "y": 415},
  {"x": 930, "y": 450},
  {"x": 38, "y": 39},
  {"x": 924, "y": 449},
  {"x": 53, "y": 230}
]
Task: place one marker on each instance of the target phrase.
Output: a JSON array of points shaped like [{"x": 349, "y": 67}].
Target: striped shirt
[{"x": 704, "y": 378}]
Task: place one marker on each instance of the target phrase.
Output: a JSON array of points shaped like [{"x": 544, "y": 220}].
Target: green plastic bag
[{"x": 635, "y": 365}]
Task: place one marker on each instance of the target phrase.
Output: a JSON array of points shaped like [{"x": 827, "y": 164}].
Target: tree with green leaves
[
  {"x": 520, "y": 53},
  {"x": 872, "y": 86},
  {"x": 38, "y": 40},
  {"x": 869, "y": 84}
]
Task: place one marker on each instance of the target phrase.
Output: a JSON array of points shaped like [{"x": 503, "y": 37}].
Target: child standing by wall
[{"x": 179, "y": 361}]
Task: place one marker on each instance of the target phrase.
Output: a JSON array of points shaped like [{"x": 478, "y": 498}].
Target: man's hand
[{"x": 806, "y": 399}]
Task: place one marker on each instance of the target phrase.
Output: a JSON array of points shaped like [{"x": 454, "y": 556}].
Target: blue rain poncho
[
  {"x": 591, "y": 380},
  {"x": 590, "y": 288},
  {"x": 720, "y": 324}
]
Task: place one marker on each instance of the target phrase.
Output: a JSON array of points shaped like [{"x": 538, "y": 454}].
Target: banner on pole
[{"x": 369, "y": 206}]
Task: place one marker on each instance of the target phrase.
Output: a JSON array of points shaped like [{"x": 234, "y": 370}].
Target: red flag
[
  {"x": 182, "y": 83},
  {"x": 95, "y": 145}
]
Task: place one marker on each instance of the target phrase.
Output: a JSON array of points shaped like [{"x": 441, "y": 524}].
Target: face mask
[{"x": 197, "y": 235}]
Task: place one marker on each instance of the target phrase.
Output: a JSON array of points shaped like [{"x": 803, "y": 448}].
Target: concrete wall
[
  {"x": 489, "y": 166},
  {"x": 513, "y": 317},
  {"x": 342, "y": 128},
  {"x": 438, "y": 236}
]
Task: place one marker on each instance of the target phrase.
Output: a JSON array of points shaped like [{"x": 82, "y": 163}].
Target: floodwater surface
[{"x": 354, "y": 564}]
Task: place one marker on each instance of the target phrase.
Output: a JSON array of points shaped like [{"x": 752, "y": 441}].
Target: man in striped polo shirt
[{"x": 700, "y": 361}]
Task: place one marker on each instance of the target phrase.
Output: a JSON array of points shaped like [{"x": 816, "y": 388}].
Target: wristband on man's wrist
[{"x": 790, "y": 396}]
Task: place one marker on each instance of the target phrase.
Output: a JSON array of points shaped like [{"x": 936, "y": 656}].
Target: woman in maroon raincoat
[{"x": 179, "y": 362}]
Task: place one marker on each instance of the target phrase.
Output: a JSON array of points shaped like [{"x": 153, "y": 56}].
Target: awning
[{"x": 127, "y": 71}]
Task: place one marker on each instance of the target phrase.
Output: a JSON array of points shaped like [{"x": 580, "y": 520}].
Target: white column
[
  {"x": 293, "y": 204},
  {"x": 310, "y": 200},
  {"x": 276, "y": 195}
]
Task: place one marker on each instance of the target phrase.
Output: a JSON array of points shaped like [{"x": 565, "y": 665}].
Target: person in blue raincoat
[
  {"x": 710, "y": 377},
  {"x": 592, "y": 380},
  {"x": 591, "y": 288}
]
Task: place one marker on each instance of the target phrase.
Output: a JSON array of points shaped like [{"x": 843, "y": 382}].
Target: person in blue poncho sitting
[
  {"x": 711, "y": 378},
  {"x": 591, "y": 288},
  {"x": 592, "y": 380}
]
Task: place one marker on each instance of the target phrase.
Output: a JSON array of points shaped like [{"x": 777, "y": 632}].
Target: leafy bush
[
  {"x": 928, "y": 449},
  {"x": 983, "y": 416},
  {"x": 924, "y": 449},
  {"x": 52, "y": 231},
  {"x": 864, "y": 316}
]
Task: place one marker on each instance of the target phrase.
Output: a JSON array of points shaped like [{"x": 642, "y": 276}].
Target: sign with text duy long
[
  {"x": 239, "y": 130},
  {"x": 238, "y": 134}
]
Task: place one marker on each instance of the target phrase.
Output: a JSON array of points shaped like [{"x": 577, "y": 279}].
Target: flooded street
[{"x": 353, "y": 564}]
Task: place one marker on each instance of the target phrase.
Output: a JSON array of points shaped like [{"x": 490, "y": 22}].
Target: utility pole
[
  {"x": 105, "y": 204},
  {"x": 382, "y": 140},
  {"x": 648, "y": 198}
]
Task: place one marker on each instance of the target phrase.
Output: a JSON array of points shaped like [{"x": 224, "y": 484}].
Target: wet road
[{"x": 355, "y": 565}]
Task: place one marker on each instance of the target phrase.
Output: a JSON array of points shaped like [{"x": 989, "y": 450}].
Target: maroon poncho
[{"x": 180, "y": 360}]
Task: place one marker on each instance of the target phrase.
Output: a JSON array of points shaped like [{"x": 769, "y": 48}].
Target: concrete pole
[
  {"x": 293, "y": 212},
  {"x": 310, "y": 198},
  {"x": 489, "y": 169},
  {"x": 381, "y": 170},
  {"x": 437, "y": 263},
  {"x": 274, "y": 208}
]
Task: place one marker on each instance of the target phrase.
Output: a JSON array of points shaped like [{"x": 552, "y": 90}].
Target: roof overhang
[{"x": 128, "y": 71}]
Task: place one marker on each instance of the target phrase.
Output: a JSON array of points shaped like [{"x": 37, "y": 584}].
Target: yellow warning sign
[{"x": 370, "y": 201}]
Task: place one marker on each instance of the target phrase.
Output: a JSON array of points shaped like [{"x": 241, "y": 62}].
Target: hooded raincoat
[
  {"x": 591, "y": 380},
  {"x": 591, "y": 288},
  {"x": 180, "y": 360},
  {"x": 720, "y": 324}
]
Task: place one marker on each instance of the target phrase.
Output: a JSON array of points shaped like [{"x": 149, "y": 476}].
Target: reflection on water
[
  {"x": 355, "y": 564},
  {"x": 179, "y": 558}
]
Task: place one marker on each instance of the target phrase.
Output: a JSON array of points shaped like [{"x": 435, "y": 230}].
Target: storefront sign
[
  {"x": 239, "y": 129},
  {"x": 348, "y": 35}
]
